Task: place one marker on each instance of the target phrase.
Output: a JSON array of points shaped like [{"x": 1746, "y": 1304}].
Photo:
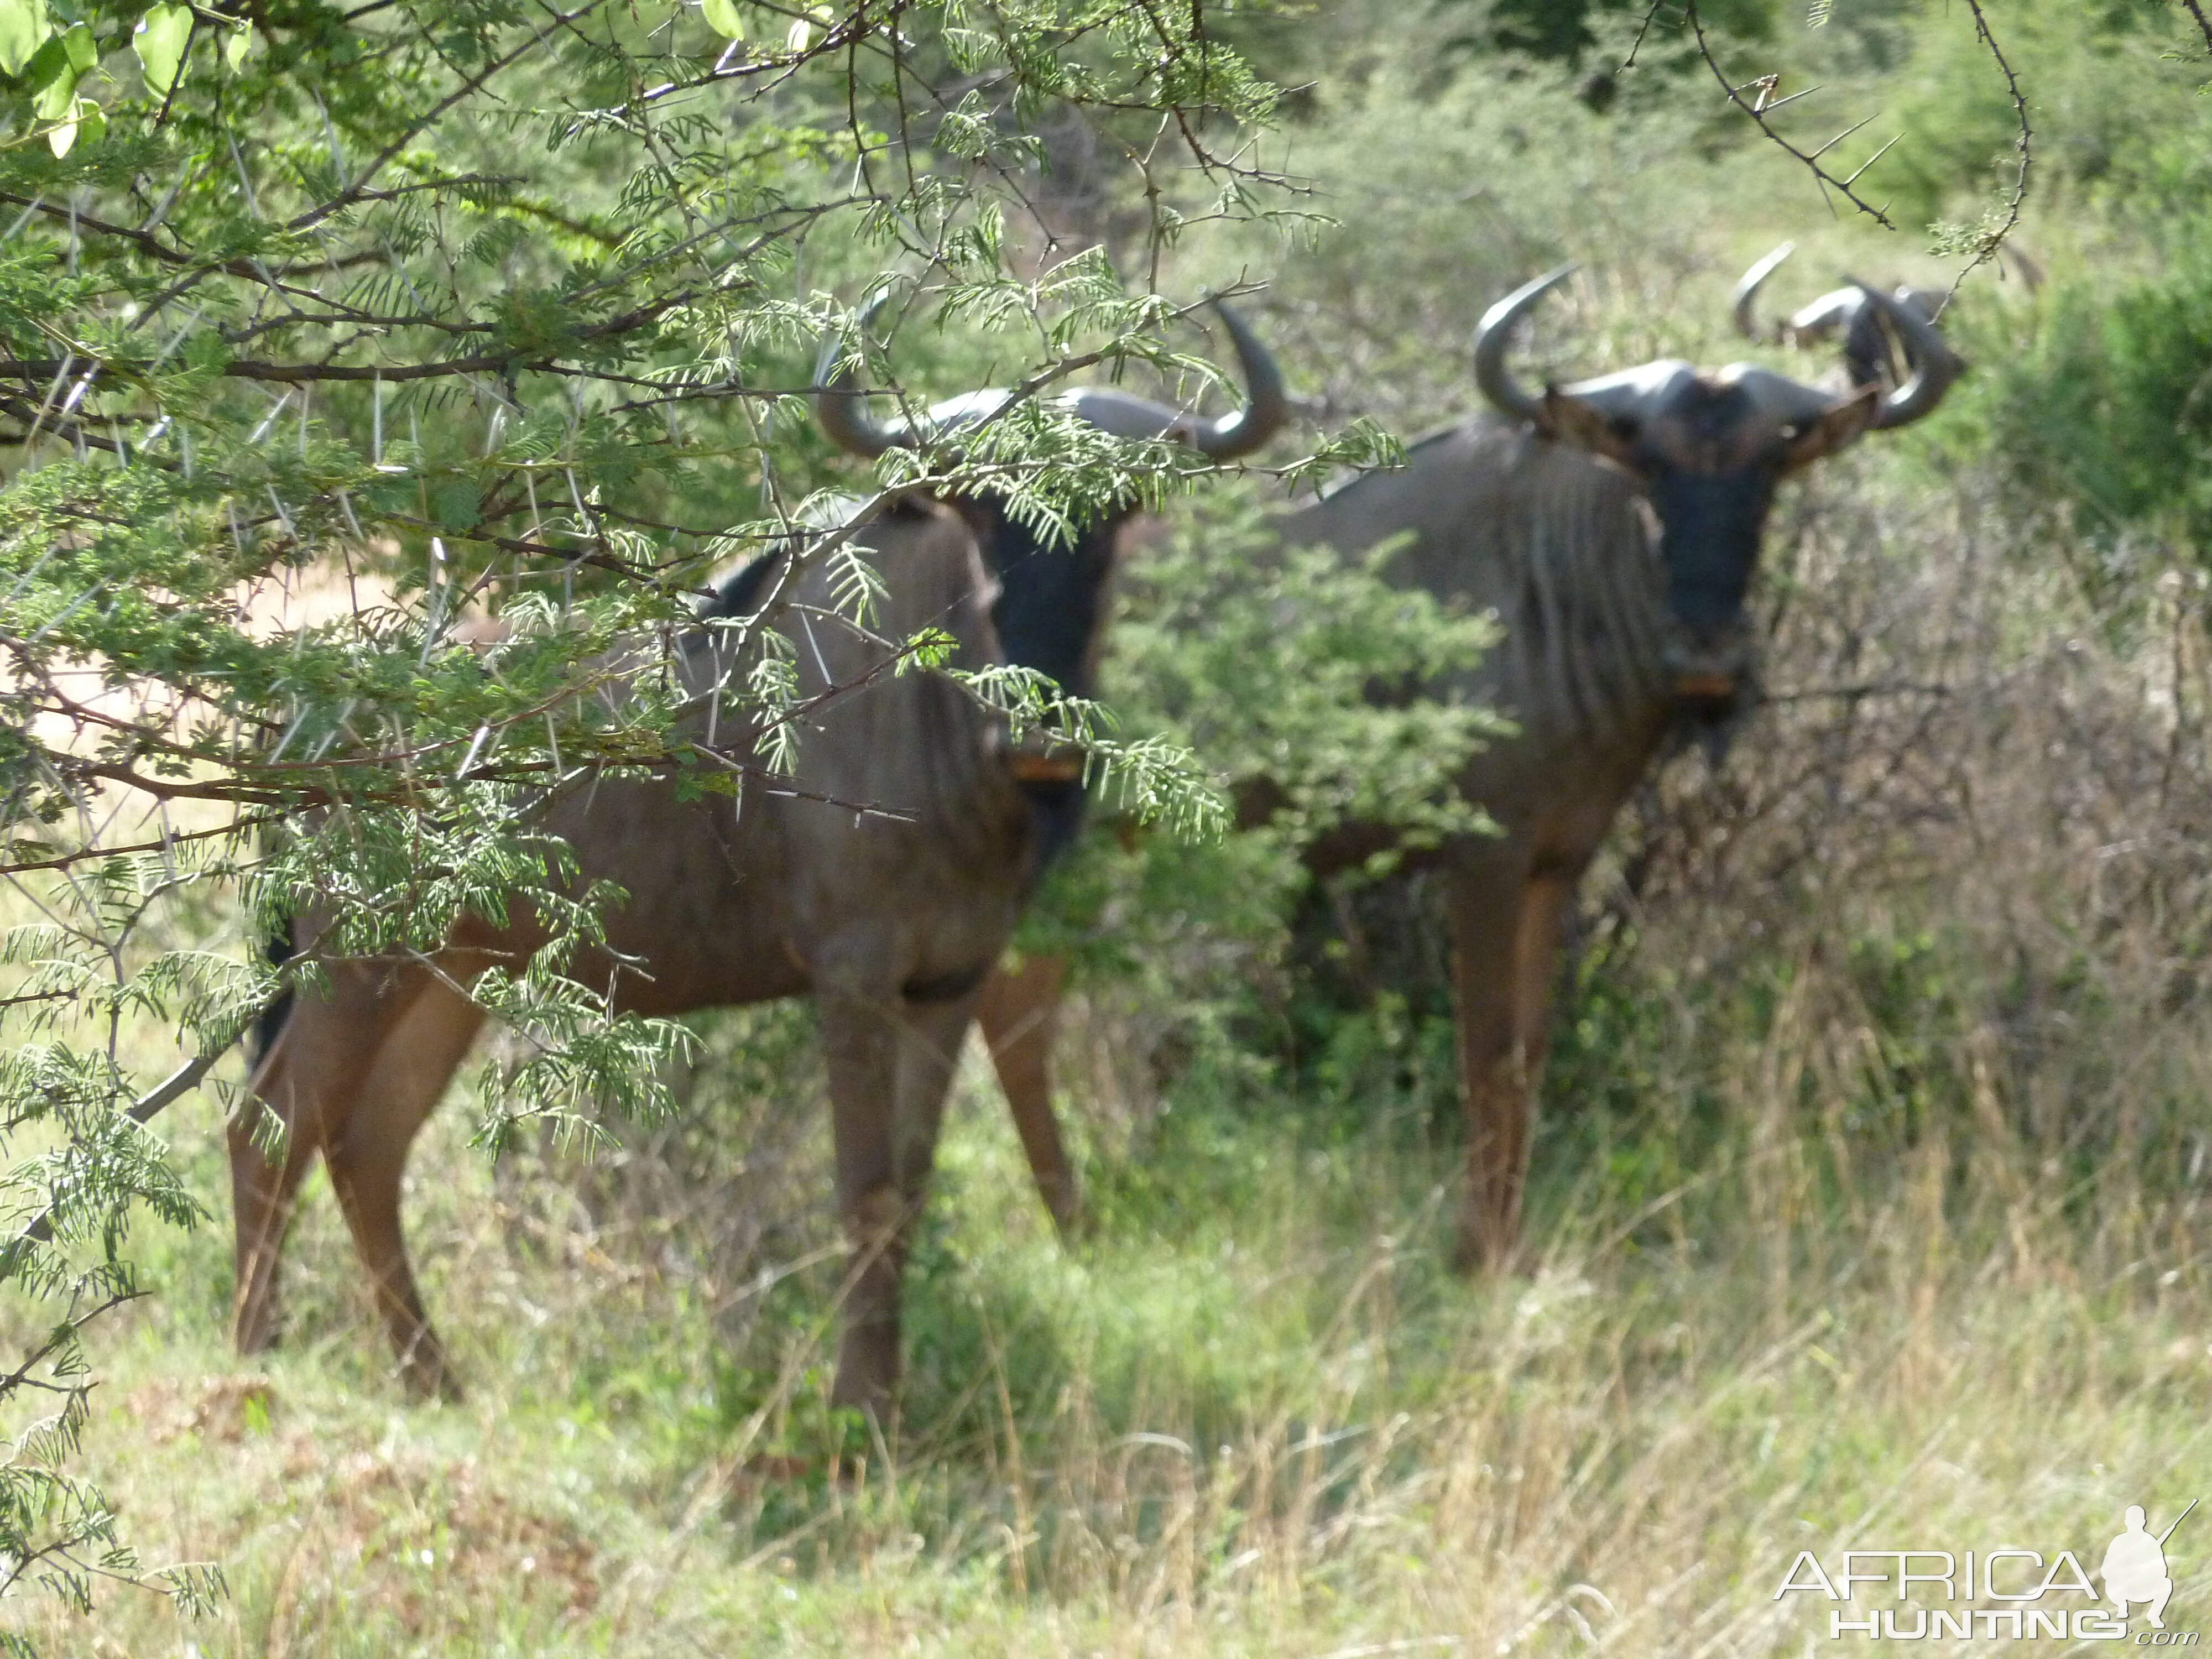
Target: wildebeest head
[
  {"x": 1052, "y": 591},
  {"x": 1710, "y": 448},
  {"x": 1843, "y": 313}
]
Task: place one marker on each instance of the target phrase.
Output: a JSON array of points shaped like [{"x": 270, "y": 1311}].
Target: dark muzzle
[{"x": 1710, "y": 529}]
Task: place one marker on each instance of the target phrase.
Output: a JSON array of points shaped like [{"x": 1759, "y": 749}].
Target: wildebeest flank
[{"x": 888, "y": 920}]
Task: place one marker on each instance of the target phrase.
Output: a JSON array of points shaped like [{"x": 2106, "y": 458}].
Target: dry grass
[{"x": 1278, "y": 1432}]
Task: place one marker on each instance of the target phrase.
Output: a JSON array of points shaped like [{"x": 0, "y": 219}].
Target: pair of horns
[
  {"x": 842, "y": 408},
  {"x": 1934, "y": 365}
]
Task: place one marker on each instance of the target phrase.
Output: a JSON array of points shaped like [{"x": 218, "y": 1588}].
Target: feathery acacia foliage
[{"x": 325, "y": 329}]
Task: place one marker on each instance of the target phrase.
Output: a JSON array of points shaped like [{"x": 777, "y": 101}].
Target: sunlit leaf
[
  {"x": 83, "y": 51},
  {"x": 236, "y": 48},
  {"x": 52, "y": 71},
  {"x": 23, "y": 29},
  {"x": 722, "y": 17},
  {"x": 160, "y": 41}
]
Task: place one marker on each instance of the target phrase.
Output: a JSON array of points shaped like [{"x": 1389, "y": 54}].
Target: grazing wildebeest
[
  {"x": 1053, "y": 592},
  {"x": 1845, "y": 312},
  {"x": 890, "y": 919},
  {"x": 1614, "y": 525}
]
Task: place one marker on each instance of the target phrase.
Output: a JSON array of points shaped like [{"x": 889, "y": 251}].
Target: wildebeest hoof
[
  {"x": 1480, "y": 1252},
  {"x": 429, "y": 1377}
]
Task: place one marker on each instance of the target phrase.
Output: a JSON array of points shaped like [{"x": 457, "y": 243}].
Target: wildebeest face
[
  {"x": 1709, "y": 450},
  {"x": 1050, "y": 611}
]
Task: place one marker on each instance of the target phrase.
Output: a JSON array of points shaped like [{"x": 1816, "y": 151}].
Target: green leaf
[
  {"x": 82, "y": 51},
  {"x": 80, "y": 118},
  {"x": 457, "y": 504},
  {"x": 49, "y": 64},
  {"x": 55, "y": 76},
  {"x": 722, "y": 17},
  {"x": 160, "y": 40},
  {"x": 23, "y": 28},
  {"x": 236, "y": 48}
]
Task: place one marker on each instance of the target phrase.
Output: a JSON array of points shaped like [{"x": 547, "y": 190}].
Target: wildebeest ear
[
  {"x": 1834, "y": 428},
  {"x": 1581, "y": 422}
]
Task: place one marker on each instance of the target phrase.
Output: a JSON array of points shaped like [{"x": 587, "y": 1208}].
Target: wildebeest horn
[
  {"x": 842, "y": 410},
  {"x": 1935, "y": 366},
  {"x": 1491, "y": 336},
  {"x": 1266, "y": 406},
  {"x": 1747, "y": 288}
]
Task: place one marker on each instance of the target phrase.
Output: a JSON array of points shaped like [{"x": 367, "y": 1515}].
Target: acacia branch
[
  {"x": 1991, "y": 240},
  {"x": 148, "y": 1107},
  {"x": 1758, "y": 111},
  {"x": 2203, "y": 23}
]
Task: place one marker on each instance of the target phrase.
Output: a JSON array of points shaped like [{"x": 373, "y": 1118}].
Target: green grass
[{"x": 1262, "y": 1421}]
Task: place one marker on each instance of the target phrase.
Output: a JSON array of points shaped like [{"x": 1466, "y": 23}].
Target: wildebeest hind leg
[
  {"x": 1019, "y": 1014},
  {"x": 262, "y": 1192},
  {"x": 367, "y": 1155}
]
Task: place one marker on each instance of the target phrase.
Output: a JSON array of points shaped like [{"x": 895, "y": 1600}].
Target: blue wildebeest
[
  {"x": 1614, "y": 525},
  {"x": 890, "y": 919},
  {"x": 1053, "y": 591}
]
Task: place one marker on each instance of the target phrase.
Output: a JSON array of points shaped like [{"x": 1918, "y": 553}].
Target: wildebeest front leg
[
  {"x": 1495, "y": 927},
  {"x": 309, "y": 1078},
  {"x": 1019, "y": 1014},
  {"x": 367, "y": 1156},
  {"x": 890, "y": 1064}
]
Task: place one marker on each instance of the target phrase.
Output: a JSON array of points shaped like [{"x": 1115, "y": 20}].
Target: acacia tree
[{"x": 323, "y": 328}]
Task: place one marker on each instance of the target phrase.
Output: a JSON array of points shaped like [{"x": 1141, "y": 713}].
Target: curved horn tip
[
  {"x": 1748, "y": 285},
  {"x": 840, "y": 407},
  {"x": 1935, "y": 366},
  {"x": 1509, "y": 309},
  {"x": 1267, "y": 404},
  {"x": 1490, "y": 334}
]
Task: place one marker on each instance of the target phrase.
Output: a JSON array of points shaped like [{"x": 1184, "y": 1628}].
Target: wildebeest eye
[{"x": 1791, "y": 432}]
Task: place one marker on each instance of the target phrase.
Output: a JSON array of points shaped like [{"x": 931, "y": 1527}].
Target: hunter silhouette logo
[
  {"x": 2135, "y": 1566},
  {"x": 2029, "y": 1592}
]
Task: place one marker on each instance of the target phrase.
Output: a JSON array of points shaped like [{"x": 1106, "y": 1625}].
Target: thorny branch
[
  {"x": 1757, "y": 110},
  {"x": 2203, "y": 23},
  {"x": 1991, "y": 241}
]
